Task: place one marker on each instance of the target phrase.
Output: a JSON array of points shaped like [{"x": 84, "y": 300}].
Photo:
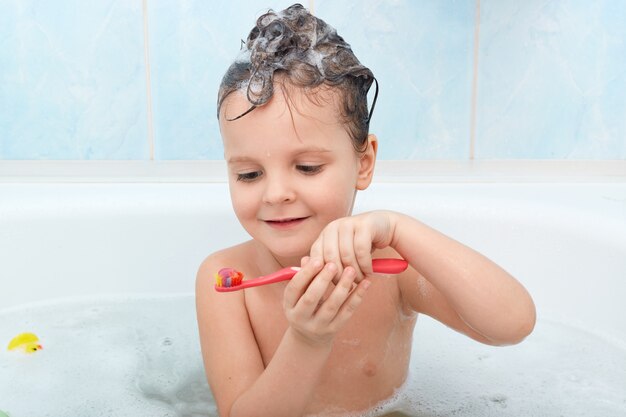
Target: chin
[{"x": 291, "y": 247}]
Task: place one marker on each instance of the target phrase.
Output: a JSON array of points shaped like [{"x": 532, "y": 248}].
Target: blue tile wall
[
  {"x": 191, "y": 45},
  {"x": 550, "y": 76},
  {"x": 552, "y": 80},
  {"x": 421, "y": 54},
  {"x": 72, "y": 80}
]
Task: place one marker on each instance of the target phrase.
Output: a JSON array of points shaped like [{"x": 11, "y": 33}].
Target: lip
[{"x": 285, "y": 223}]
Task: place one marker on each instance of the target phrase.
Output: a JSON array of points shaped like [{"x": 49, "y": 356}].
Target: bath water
[{"x": 140, "y": 356}]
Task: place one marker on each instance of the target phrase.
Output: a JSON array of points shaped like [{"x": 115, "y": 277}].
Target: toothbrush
[{"x": 229, "y": 279}]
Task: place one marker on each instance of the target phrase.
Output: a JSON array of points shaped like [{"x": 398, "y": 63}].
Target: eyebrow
[
  {"x": 239, "y": 159},
  {"x": 311, "y": 149}
]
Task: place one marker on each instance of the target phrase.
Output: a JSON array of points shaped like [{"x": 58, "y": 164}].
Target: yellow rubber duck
[{"x": 28, "y": 342}]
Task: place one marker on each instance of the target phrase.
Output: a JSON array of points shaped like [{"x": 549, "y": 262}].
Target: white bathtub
[{"x": 564, "y": 239}]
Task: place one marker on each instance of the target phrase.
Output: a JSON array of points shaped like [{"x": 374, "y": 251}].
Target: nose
[{"x": 278, "y": 190}]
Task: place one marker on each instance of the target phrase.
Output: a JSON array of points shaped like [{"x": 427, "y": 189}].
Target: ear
[{"x": 366, "y": 163}]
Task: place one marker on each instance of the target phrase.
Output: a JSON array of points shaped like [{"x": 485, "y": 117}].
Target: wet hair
[{"x": 305, "y": 52}]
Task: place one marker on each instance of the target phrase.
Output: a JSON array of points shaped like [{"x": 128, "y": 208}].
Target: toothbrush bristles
[{"x": 228, "y": 277}]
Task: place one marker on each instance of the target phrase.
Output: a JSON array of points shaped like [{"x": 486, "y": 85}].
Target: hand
[
  {"x": 349, "y": 241},
  {"x": 315, "y": 319}
]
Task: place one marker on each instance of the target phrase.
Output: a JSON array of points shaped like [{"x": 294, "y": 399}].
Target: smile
[{"x": 288, "y": 223}]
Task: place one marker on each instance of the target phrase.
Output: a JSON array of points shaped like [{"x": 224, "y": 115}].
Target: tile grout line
[
  {"x": 146, "y": 53},
  {"x": 474, "y": 97}
]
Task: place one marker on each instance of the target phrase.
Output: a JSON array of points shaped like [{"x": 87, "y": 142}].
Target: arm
[
  {"x": 468, "y": 291},
  {"x": 240, "y": 383},
  {"x": 448, "y": 281}
]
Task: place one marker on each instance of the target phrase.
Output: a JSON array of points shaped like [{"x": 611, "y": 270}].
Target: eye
[
  {"x": 249, "y": 176},
  {"x": 309, "y": 169}
]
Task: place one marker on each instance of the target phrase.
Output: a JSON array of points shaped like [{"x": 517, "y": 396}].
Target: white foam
[
  {"x": 141, "y": 357},
  {"x": 127, "y": 357}
]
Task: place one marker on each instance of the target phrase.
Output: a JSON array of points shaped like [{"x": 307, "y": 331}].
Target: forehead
[
  {"x": 322, "y": 101},
  {"x": 295, "y": 112}
]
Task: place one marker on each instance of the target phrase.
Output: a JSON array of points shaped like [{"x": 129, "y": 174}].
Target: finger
[
  {"x": 330, "y": 249},
  {"x": 363, "y": 250},
  {"x": 317, "y": 251},
  {"x": 310, "y": 300},
  {"x": 351, "y": 304},
  {"x": 301, "y": 281},
  {"x": 329, "y": 309},
  {"x": 346, "y": 247}
]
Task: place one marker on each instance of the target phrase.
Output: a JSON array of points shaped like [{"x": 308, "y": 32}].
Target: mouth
[{"x": 286, "y": 223}]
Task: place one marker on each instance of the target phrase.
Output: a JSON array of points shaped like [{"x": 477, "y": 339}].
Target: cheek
[
  {"x": 339, "y": 202},
  {"x": 242, "y": 202}
]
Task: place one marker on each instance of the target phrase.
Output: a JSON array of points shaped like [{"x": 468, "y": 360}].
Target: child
[{"x": 335, "y": 338}]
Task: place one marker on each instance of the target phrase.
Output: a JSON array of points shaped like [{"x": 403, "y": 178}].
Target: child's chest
[
  {"x": 370, "y": 355},
  {"x": 374, "y": 344}
]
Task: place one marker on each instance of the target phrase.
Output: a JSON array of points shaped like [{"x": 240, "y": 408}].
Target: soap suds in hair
[{"x": 308, "y": 53}]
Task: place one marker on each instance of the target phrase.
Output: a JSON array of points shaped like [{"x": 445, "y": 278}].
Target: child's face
[{"x": 292, "y": 170}]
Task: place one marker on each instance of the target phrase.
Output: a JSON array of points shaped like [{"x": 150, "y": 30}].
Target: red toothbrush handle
[
  {"x": 389, "y": 265},
  {"x": 381, "y": 266}
]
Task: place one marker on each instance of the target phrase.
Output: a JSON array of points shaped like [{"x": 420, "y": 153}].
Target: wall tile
[
  {"x": 552, "y": 80},
  {"x": 192, "y": 44},
  {"x": 72, "y": 80},
  {"x": 421, "y": 53}
]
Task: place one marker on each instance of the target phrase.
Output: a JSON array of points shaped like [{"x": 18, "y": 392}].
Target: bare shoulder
[
  {"x": 208, "y": 301},
  {"x": 227, "y": 257},
  {"x": 228, "y": 375}
]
